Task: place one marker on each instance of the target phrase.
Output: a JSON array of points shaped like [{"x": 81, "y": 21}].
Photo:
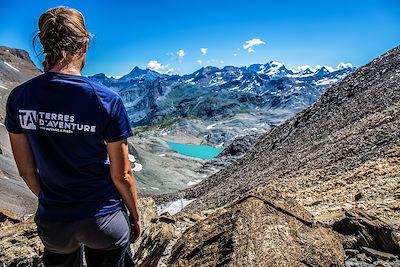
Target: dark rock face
[
  {"x": 235, "y": 150},
  {"x": 261, "y": 229},
  {"x": 368, "y": 231},
  {"x": 368, "y": 240},
  {"x": 239, "y": 146}
]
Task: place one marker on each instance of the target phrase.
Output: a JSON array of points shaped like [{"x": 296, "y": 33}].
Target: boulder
[
  {"x": 148, "y": 210},
  {"x": 147, "y": 251},
  {"x": 262, "y": 228},
  {"x": 378, "y": 254},
  {"x": 20, "y": 245},
  {"x": 7, "y": 217},
  {"x": 360, "y": 229}
]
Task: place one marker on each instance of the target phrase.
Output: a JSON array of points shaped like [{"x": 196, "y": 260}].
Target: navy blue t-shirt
[{"x": 68, "y": 119}]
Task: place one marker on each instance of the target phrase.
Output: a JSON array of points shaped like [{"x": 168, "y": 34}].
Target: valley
[{"x": 211, "y": 107}]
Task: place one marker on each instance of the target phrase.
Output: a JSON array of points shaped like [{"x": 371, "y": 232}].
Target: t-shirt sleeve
[
  {"x": 118, "y": 127},
  {"x": 11, "y": 119}
]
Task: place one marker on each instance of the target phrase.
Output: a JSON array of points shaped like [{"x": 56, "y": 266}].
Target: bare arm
[
  {"x": 122, "y": 177},
  {"x": 25, "y": 161}
]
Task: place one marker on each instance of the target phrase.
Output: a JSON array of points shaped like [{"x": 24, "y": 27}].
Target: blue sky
[{"x": 151, "y": 33}]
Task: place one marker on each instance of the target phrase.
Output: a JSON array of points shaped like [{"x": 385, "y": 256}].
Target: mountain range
[{"x": 212, "y": 93}]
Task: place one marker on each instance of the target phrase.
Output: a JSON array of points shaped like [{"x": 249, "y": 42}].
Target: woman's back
[{"x": 66, "y": 119}]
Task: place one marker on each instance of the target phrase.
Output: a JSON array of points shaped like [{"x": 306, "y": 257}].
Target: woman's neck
[{"x": 69, "y": 69}]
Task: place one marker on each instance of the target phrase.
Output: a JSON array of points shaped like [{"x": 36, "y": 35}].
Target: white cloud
[
  {"x": 342, "y": 65},
  {"x": 180, "y": 53},
  {"x": 203, "y": 50},
  {"x": 200, "y": 61},
  {"x": 248, "y": 45},
  {"x": 154, "y": 65},
  {"x": 303, "y": 68},
  {"x": 157, "y": 66},
  {"x": 235, "y": 55},
  {"x": 221, "y": 61}
]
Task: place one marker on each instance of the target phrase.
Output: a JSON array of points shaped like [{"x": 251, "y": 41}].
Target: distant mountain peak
[{"x": 138, "y": 73}]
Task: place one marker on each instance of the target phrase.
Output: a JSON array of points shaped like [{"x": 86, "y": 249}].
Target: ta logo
[{"x": 27, "y": 119}]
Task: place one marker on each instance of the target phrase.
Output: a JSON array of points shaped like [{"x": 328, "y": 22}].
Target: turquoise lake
[{"x": 196, "y": 151}]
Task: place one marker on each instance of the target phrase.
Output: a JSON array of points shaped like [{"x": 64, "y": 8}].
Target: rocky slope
[
  {"x": 346, "y": 144},
  {"x": 15, "y": 67}
]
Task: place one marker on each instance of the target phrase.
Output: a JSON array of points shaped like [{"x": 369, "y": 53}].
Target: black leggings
[
  {"x": 103, "y": 240},
  {"x": 94, "y": 257}
]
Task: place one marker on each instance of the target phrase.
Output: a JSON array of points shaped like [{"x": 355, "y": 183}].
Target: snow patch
[
  {"x": 138, "y": 167},
  {"x": 161, "y": 155},
  {"x": 190, "y": 183},
  {"x": 1, "y": 86},
  {"x": 250, "y": 129},
  {"x": 209, "y": 127},
  {"x": 174, "y": 207},
  {"x": 131, "y": 158},
  {"x": 326, "y": 81},
  {"x": 14, "y": 68},
  {"x": 220, "y": 145}
]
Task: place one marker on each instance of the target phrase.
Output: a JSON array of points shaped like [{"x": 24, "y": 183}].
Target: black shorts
[{"x": 103, "y": 240}]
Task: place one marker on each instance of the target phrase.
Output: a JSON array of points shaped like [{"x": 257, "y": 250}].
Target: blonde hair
[{"x": 62, "y": 34}]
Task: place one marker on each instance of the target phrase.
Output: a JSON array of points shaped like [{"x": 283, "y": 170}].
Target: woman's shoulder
[
  {"x": 105, "y": 95},
  {"x": 19, "y": 89},
  {"x": 102, "y": 89}
]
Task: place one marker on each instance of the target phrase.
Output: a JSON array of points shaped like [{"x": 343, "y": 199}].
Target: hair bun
[{"x": 62, "y": 34}]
